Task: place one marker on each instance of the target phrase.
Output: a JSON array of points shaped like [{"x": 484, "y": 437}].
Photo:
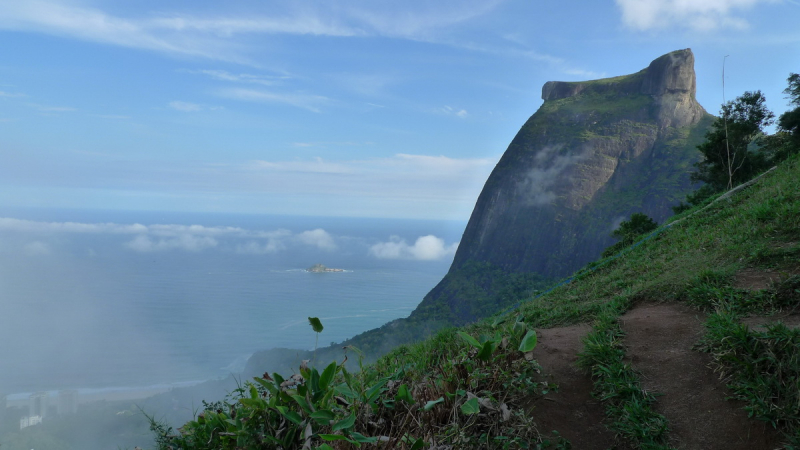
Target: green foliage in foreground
[
  {"x": 464, "y": 390},
  {"x": 760, "y": 366}
]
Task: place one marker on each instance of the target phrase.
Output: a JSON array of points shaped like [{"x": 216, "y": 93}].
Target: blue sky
[{"x": 345, "y": 108}]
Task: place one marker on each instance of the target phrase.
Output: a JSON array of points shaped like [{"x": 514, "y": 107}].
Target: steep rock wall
[{"x": 594, "y": 153}]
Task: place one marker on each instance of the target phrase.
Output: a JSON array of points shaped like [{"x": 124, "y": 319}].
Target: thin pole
[{"x": 725, "y": 121}]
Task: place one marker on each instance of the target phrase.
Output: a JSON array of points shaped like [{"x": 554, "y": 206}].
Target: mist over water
[{"x": 92, "y": 300}]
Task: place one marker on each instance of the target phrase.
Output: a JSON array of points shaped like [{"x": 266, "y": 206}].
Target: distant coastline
[{"x": 319, "y": 268}]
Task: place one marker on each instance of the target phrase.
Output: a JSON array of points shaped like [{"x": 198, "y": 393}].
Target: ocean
[{"x": 104, "y": 299}]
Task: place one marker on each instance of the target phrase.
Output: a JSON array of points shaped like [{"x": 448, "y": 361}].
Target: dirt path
[
  {"x": 659, "y": 340},
  {"x": 571, "y": 411}
]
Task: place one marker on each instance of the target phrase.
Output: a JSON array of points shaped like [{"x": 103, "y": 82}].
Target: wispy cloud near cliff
[
  {"x": 426, "y": 248},
  {"x": 696, "y": 15},
  {"x": 550, "y": 167}
]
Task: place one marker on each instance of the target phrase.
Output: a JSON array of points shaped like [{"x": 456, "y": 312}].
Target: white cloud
[
  {"x": 21, "y": 225},
  {"x": 47, "y": 108},
  {"x": 450, "y": 111},
  {"x": 318, "y": 238},
  {"x": 426, "y": 248},
  {"x": 185, "y": 106},
  {"x": 260, "y": 248},
  {"x": 223, "y": 75},
  {"x": 315, "y": 165},
  {"x": 699, "y": 15},
  {"x": 539, "y": 182},
  {"x": 191, "y": 107},
  {"x": 163, "y": 237},
  {"x": 403, "y": 163},
  {"x": 310, "y": 102},
  {"x": 213, "y": 36},
  {"x": 37, "y": 248},
  {"x": 440, "y": 164},
  {"x": 11, "y": 94},
  {"x": 186, "y": 242},
  {"x": 92, "y": 24}
]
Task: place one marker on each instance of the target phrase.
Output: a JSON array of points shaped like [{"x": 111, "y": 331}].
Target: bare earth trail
[
  {"x": 659, "y": 340},
  {"x": 572, "y": 411}
]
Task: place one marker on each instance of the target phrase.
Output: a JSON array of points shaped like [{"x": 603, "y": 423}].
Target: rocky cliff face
[{"x": 594, "y": 153}]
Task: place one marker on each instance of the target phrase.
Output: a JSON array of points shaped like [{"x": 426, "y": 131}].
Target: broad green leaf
[
  {"x": 339, "y": 437},
  {"x": 345, "y": 423},
  {"x": 334, "y": 437},
  {"x": 323, "y": 416},
  {"x": 404, "y": 394},
  {"x": 345, "y": 391},
  {"x": 291, "y": 415},
  {"x": 315, "y": 324},
  {"x": 324, "y": 447},
  {"x": 358, "y": 437},
  {"x": 303, "y": 403},
  {"x": 471, "y": 407},
  {"x": 469, "y": 339},
  {"x": 314, "y": 381},
  {"x": 269, "y": 385},
  {"x": 428, "y": 406},
  {"x": 327, "y": 376},
  {"x": 519, "y": 328},
  {"x": 528, "y": 342},
  {"x": 418, "y": 444},
  {"x": 255, "y": 403},
  {"x": 302, "y": 389},
  {"x": 486, "y": 351},
  {"x": 499, "y": 321},
  {"x": 374, "y": 391}
]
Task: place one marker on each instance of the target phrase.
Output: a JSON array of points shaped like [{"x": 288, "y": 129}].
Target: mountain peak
[
  {"x": 669, "y": 80},
  {"x": 594, "y": 153}
]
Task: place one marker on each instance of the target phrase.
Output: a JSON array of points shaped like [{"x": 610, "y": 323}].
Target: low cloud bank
[
  {"x": 166, "y": 237},
  {"x": 426, "y": 248}
]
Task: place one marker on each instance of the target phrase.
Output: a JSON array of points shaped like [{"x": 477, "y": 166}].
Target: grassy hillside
[{"x": 474, "y": 387}]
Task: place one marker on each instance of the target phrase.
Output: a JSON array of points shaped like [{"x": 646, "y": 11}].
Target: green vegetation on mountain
[{"x": 473, "y": 387}]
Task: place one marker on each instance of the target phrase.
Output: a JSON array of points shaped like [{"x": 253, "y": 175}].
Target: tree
[
  {"x": 732, "y": 148},
  {"x": 638, "y": 225},
  {"x": 628, "y": 231},
  {"x": 786, "y": 141},
  {"x": 789, "y": 121}
]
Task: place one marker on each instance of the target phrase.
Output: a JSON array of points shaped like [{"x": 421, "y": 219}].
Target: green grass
[
  {"x": 628, "y": 405},
  {"x": 692, "y": 261},
  {"x": 761, "y": 366}
]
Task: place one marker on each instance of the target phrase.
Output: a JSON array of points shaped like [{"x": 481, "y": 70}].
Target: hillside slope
[{"x": 733, "y": 263}]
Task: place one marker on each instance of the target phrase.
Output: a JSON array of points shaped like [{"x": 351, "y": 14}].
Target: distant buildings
[
  {"x": 39, "y": 407},
  {"x": 67, "y": 402},
  {"x": 28, "y": 421},
  {"x": 37, "y": 404},
  {"x": 3, "y": 410}
]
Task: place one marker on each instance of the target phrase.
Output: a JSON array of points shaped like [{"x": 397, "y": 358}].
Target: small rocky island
[{"x": 319, "y": 268}]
